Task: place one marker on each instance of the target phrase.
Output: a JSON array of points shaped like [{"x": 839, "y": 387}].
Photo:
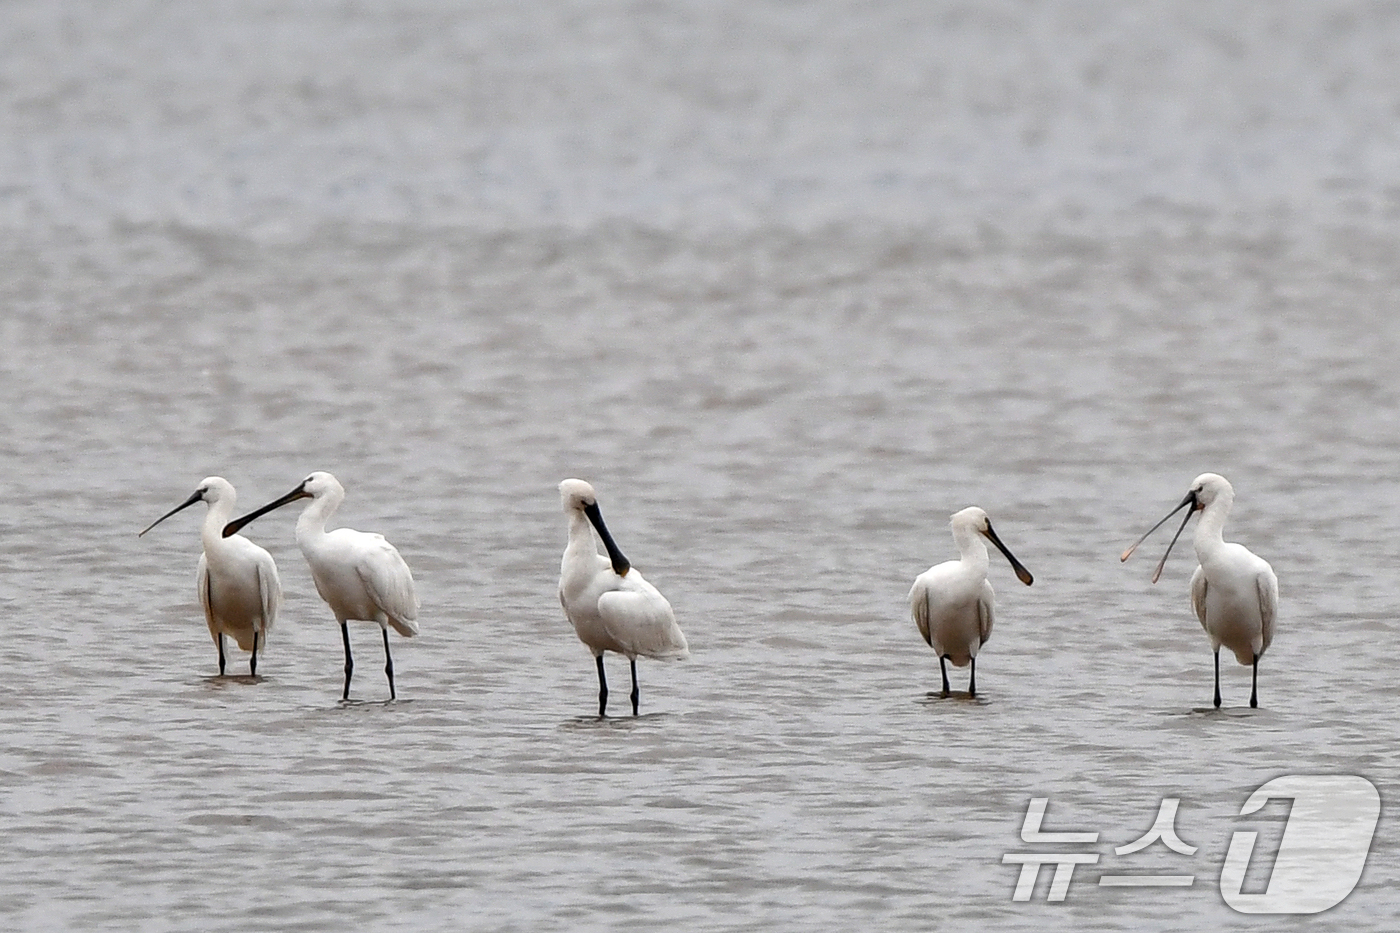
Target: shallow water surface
[{"x": 788, "y": 285}]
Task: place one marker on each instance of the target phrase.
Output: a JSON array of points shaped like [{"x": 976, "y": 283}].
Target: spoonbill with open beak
[{"x": 1234, "y": 592}]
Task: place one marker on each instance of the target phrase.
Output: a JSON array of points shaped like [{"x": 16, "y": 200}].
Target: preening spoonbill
[
  {"x": 608, "y": 603},
  {"x": 1234, "y": 592},
  {"x": 952, "y": 602},
  {"x": 237, "y": 580},
  {"x": 360, "y": 576}
]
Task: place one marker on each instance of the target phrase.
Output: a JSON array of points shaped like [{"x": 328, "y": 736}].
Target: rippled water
[{"x": 789, "y": 285}]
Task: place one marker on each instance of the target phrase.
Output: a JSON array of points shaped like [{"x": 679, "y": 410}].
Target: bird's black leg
[
  {"x": 1254, "y": 685},
  {"x": 253, "y": 660},
  {"x": 389, "y": 665},
  {"x": 349, "y": 661},
  {"x": 219, "y": 640},
  {"x": 602, "y": 689},
  {"x": 972, "y": 680},
  {"x": 943, "y": 666},
  {"x": 1217, "y": 678},
  {"x": 636, "y": 691}
]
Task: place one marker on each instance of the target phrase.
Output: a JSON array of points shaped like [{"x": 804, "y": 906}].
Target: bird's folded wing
[
  {"x": 390, "y": 585},
  {"x": 1267, "y": 585},
  {"x": 201, "y": 582},
  {"x": 985, "y": 613},
  {"x": 918, "y": 607},
  {"x": 643, "y": 623},
  {"x": 1198, "y": 594},
  {"x": 270, "y": 589}
]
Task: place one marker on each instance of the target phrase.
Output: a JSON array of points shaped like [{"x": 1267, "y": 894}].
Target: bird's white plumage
[
  {"x": 611, "y": 612},
  {"x": 1234, "y": 592},
  {"x": 360, "y": 575},
  {"x": 243, "y": 594},
  {"x": 640, "y": 621},
  {"x": 953, "y": 603},
  {"x": 236, "y": 581}
]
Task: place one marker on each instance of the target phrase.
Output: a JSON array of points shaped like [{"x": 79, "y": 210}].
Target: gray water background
[{"x": 789, "y": 283}]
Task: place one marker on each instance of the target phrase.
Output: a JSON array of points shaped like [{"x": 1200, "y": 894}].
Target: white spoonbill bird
[
  {"x": 606, "y": 600},
  {"x": 237, "y": 580},
  {"x": 1234, "y": 592},
  {"x": 360, "y": 576},
  {"x": 952, "y": 602}
]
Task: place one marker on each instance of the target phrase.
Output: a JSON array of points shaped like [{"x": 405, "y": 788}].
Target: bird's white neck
[
  {"x": 971, "y": 545},
  {"x": 211, "y": 533},
  {"x": 580, "y": 535},
  {"x": 311, "y": 524},
  {"x": 1210, "y": 528}
]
